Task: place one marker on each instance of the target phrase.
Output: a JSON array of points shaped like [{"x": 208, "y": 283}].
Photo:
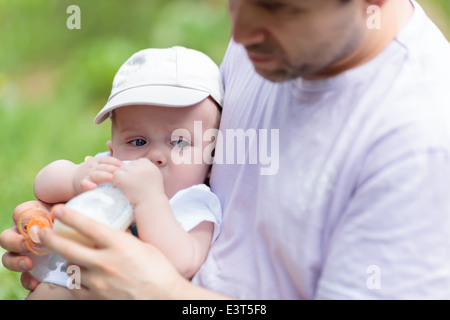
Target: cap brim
[{"x": 164, "y": 96}]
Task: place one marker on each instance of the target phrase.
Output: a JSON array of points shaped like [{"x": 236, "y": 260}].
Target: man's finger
[
  {"x": 98, "y": 233},
  {"x": 67, "y": 248},
  {"x": 28, "y": 282},
  {"x": 16, "y": 262},
  {"x": 12, "y": 240},
  {"x": 29, "y": 204}
]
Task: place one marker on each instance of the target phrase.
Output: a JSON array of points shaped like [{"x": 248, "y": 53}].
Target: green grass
[
  {"x": 439, "y": 12},
  {"x": 53, "y": 80}
]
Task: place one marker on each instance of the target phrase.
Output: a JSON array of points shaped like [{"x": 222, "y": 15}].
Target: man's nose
[{"x": 247, "y": 23}]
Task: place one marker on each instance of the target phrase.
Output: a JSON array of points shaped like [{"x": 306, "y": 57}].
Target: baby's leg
[{"x": 50, "y": 291}]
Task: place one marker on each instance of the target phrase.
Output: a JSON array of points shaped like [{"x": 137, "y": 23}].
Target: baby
[{"x": 159, "y": 100}]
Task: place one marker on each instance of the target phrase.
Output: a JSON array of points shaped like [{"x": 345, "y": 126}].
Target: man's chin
[{"x": 277, "y": 75}]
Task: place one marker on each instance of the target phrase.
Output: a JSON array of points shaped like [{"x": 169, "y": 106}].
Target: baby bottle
[{"x": 106, "y": 204}]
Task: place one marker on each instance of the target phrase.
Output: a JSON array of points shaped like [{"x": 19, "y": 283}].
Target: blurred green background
[{"x": 53, "y": 80}]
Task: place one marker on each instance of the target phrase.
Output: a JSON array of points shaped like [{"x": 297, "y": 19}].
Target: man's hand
[
  {"x": 13, "y": 242},
  {"x": 119, "y": 266}
]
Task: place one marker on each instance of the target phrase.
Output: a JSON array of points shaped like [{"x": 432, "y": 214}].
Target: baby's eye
[
  {"x": 180, "y": 143},
  {"x": 138, "y": 142}
]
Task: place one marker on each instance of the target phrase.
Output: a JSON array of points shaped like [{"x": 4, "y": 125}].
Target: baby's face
[{"x": 172, "y": 138}]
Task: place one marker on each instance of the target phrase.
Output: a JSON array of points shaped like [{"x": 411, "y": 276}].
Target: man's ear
[{"x": 110, "y": 147}]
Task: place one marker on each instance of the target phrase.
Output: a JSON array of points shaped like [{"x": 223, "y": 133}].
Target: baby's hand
[
  {"x": 140, "y": 180},
  {"x": 93, "y": 172}
]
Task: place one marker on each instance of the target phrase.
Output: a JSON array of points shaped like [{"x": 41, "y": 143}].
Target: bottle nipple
[{"x": 30, "y": 222}]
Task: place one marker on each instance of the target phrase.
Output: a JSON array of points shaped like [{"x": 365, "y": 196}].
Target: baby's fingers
[
  {"x": 87, "y": 185},
  {"x": 110, "y": 161},
  {"x": 98, "y": 177}
]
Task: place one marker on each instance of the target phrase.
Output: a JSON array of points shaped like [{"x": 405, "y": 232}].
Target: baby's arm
[
  {"x": 54, "y": 183},
  {"x": 61, "y": 180},
  {"x": 157, "y": 225},
  {"x": 143, "y": 184}
]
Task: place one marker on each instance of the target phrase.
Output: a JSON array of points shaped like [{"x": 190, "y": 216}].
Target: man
[{"x": 358, "y": 208}]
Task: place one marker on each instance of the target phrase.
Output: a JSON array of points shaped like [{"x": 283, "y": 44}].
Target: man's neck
[{"x": 393, "y": 17}]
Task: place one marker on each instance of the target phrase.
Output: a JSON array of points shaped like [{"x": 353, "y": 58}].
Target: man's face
[{"x": 286, "y": 39}]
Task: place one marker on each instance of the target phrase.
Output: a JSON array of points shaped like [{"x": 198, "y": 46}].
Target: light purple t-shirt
[{"x": 355, "y": 202}]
